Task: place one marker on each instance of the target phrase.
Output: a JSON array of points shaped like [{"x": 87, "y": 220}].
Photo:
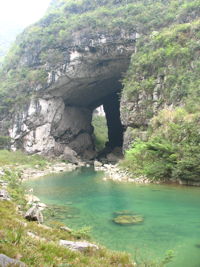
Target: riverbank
[
  {"x": 28, "y": 243},
  {"x": 115, "y": 173}
]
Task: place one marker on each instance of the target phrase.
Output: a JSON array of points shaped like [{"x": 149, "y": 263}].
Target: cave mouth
[{"x": 111, "y": 108}]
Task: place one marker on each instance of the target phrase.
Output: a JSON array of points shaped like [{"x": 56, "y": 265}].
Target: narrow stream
[{"x": 171, "y": 214}]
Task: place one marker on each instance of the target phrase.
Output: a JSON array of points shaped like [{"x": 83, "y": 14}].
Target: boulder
[
  {"x": 31, "y": 199},
  {"x": 97, "y": 163},
  {"x": 89, "y": 154},
  {"x": 4, "y": 195},
  {"x": 41, "y": 206},
  {"x": 70, "y": 155},
  {"x": 77, "y": 245},
  {"x": 115, "y": 155},
  {"x": 6, "y": 262},
  {"x": 34, "y": 214},
  {"x": 66, "y": 229}
]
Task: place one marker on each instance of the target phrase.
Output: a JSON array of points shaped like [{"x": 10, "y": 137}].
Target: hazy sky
[{"x": 21, "y": 12}]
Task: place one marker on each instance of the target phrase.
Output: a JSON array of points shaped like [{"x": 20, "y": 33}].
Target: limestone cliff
[
  {"x": 75, "y": 60},
  {"x": 60, "y": 113}
]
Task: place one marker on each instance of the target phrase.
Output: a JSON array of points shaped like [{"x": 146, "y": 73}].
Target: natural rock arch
[{"x": 60, "y": 115}]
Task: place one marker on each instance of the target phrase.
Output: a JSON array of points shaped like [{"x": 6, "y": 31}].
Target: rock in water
[
  {"x": 128, "y": 219},
  {"x": 77, "y": 246},
  {"x": 34, "y": 214},
  {"x": 6, "y": 262}
]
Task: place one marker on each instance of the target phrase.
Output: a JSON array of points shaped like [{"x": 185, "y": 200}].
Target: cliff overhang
[{"x": 58, "y": 117}]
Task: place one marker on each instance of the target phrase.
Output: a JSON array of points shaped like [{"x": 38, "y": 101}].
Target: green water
[{"x": 171, "y": 214}]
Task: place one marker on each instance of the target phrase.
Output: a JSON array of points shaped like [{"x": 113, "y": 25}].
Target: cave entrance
[{"x": 108, "y": 127}]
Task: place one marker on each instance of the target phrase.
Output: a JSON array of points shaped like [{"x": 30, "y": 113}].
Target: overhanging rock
[{"x": 60, "y": 113}]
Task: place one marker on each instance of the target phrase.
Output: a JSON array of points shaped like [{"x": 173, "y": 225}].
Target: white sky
[{"x": 21, "y": 12}]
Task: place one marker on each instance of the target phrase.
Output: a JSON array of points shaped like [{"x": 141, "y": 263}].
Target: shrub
[
  {"x": 172, "y": 150},
  {"x": 4, "y": 142}
]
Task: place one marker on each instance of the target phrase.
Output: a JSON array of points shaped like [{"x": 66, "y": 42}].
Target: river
[{"x": 171, "y": 214}]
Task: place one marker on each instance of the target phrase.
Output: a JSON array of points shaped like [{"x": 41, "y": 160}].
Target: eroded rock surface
[
  {"x": 4, "y": 195},
  {"x": 60, "y": 113},
  {"x": 6, "y": 262},
  {"x": 77, "y": 245},
  {"x": 34, "y": 214}
]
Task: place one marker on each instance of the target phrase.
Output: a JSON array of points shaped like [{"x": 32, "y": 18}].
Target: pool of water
[{"x": 171, "y": 214}]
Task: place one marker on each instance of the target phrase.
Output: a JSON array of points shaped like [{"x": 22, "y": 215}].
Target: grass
[
  {"x": 18, "y": 157},
  {"x": 16, "y": 243}
]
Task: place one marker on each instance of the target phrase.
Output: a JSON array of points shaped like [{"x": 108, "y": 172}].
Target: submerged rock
[
  {"x": 77, "y": 245},
  {"x": 128, "y": 219},
  {"x": 34, "y": 214},
  {"x": 60, "y": 213},
  {"x": 6, "y": 261}
]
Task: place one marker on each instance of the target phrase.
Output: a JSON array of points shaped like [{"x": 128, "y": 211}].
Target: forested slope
[{"x": 165, "y": 71}]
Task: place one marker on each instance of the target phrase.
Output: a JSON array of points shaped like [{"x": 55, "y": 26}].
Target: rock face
[
  {"x": 77, "y": 246},
  {"x": 6, "y": 262},
  {"x": 34, "y": 214},
  {"x": 136, "y": 113},
  {"x": 59, "y": 116},
  {"x": 4, "y": 195}
]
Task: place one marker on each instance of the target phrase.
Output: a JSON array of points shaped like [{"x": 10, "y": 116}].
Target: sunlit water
[{"x": 171, "y": 214}]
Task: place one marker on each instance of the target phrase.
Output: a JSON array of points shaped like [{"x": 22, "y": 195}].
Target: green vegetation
[
  {"x": 169, "y": 57},
  {"x": 172, "y": 149},
  {"x": 17, "y": 244},
  {"x": 7, "y": 37},
  {"x": 167, "y": 65},
  {"x": 100, "y": 131},
  {"x": 4, "y": 142},
  {"x": 20, "y": 158}
]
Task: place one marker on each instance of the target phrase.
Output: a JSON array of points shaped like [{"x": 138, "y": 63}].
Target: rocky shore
[
  {"x": 36, "y": 171},
  {"x": 111, "y": 171},
  {"x": 115, "y": 173}
]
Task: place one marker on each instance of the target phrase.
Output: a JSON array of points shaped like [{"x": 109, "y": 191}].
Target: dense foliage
[
  {"x": 170, "y": 57},
  {"x": 100, "y": 131},
  {"x": 167, "y": 63},
  {"x": 172, "y": 150}
]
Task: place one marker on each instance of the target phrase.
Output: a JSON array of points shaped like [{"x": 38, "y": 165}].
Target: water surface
[{"x": 171, "y": 214}]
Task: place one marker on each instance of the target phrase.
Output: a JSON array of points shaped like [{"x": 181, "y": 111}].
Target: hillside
[{"x": 7, "y": 37}]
